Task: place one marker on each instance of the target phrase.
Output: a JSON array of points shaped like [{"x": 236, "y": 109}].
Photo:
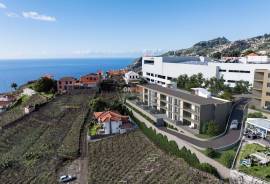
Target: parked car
[
  {"x": 252, "y": 136},
  {"x": 246, "y": 162},
  {"x": 66, "y": 178},
  {"x": 234, "y": 125}
]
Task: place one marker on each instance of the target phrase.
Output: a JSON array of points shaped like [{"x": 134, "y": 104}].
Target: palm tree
[{"x": 14, "y": 85}]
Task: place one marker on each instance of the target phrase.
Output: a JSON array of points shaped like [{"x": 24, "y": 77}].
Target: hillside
[{"x": 223, "y": 47}]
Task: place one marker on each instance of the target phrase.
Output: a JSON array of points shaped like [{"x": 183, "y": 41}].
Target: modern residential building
[
  {"x": 90, "y": 80},
  {"x": 112, "y": 122},
  {"x": 184, "y": 108},
  {"x": 131, "y": 77},
  {"x": 259, "y": 125},
  {"x": 66, "y": 83},
  {"x": 161, "y": 70},
  {"x": 261, "y": 88}
]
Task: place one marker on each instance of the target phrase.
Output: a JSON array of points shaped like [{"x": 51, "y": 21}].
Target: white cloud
[
  {"x": 2, "y": 6},
  {"x": 37, "y": 16},
  {"x": 12, "y": 14}
]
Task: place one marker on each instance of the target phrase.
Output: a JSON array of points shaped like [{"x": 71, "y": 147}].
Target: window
[
  {"x": 231, "y": 81},
  {"x": 162, "y": 76},
  {"x": 242, "y": 71},
  {"x": 66, "y": 82},
  {"x": 147, "y": 79},
  {"x": 151, "y": 62},
  {"x": 221, "y": 70},
  {"x": 70, "y": 82},
  {"x": 152, "y": 80},
  {"x": 152, "y": 74},
  {"x": 269, "y": 75},
  {"x": 169, "y": 78},
  {"x": 147, "y": 73},
  {"x": 234, "y": 71},
  {"x": 267, "y": 93},
  {"x": 268, "y": 85},
  {"x": 59, "y": 82}
]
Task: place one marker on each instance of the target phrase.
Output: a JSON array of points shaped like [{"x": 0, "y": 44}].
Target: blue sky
[{"x": 93, "y": 28}]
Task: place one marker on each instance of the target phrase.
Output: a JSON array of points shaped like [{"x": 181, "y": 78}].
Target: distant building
[
  {"x": 6, "y": 101},
  {"x": 184, "y": 108},
  {"x": 254, "y": 58},
  {"x": 162, "y": 70},
  {"x": 7, "y": 98},
  {"x": 90, "y": 80},
  {"x": 28, "y": 92},
  {"x": 66, "y": 83},
  {"x": 112, "y": 122},
  {"x": 131, "y": 77}
]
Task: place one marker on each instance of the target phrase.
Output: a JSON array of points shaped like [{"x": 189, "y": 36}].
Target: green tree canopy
[
  {"x": 46, "y": 85},
  {"x": 14, "y": 85}
]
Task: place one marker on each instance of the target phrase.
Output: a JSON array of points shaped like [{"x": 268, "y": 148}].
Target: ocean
[{"x": 22, "y": 71}]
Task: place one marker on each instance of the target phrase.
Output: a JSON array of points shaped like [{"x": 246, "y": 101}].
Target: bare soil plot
[{"x": 132, "y": 158}]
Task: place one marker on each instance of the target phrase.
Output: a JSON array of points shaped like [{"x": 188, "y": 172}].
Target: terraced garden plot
[
  {"x": 132, "y": 158},
  {"x": 34, "y": 149}
]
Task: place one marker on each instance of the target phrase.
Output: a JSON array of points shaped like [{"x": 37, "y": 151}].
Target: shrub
[
  {"x": 210, "y": 152},
  {"x": 208, "y": 168},
  {"x": 256, "y": 115},
  {"x": 212, "y": 129},
  {"x": 227, "y": 158}
]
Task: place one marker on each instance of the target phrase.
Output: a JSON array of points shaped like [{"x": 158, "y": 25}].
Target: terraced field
[
  {"x": 38, "y": 145},
  {"x": 17, "y": 112},
  {"x": 132, "y": 158}
]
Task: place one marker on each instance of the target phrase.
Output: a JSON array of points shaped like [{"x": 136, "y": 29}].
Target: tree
[
  {"x": 226, "y": 95},
  {"x": 217, "y": 55},
  {"x": 215, "y": 85},
  {"x": 241, "y": 87},
  {"x": 46, "y": 85},
  {"x": 14, "y": 85},
  {"x": 97, "y": 104},
  {"x": 212, "y": 129},
  {"x": 182, "y": 80}
]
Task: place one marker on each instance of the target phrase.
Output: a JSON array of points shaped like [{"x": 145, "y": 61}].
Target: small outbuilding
[{"x": 259, "y": 125}]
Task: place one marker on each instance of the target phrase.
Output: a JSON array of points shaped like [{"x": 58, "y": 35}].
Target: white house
[
  {"x": 202, "y": 92},
  {"x": 131, "y": 77},
  {"x": 111, "y": 122},
  {"x": 28, "y": 92},
  {"x": 161, "y": 70}
]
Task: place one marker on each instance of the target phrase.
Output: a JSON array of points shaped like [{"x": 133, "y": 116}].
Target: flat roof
[
  {"x": 184, "y": 95},
  {"x": 259, "y": 122}
]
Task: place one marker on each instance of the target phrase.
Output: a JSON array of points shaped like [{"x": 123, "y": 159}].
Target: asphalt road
[{"x": 229, "y": 138}]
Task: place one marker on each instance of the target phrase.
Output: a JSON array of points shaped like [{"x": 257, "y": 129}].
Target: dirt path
[
  {"x": 84, "y": 158},
  {"x": 78, "y": 167}
]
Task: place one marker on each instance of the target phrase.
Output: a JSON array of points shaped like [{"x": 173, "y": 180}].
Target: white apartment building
[{"x": 161, "y": 70}]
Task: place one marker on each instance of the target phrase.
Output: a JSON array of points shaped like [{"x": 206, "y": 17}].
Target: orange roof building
[{"x": 112, "y": 122}]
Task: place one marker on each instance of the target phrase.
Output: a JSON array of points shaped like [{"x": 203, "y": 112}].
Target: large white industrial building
[{"x": 161, "y": 70}]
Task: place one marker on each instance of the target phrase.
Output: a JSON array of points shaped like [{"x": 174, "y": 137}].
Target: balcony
[
  {"x": 257, "y": 94},
  {"x": 258, "y": 85},
  {"x": 187, "y": 106},
  {"x": 258, "y": 76}
]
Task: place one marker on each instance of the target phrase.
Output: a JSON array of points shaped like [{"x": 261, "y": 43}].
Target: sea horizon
[{"x": 21, "y": 71}]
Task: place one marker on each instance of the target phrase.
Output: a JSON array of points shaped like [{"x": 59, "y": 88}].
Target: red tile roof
[{"x": 108, "y": 116}]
